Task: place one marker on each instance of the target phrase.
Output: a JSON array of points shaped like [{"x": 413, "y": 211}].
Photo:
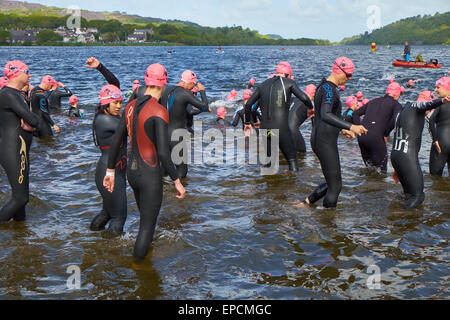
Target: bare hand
[
  {"x": 446, "y": 99},
  {"x": 359, "y": 130},
  {"x": 200, "y": 87},
  {"x": 181, "y": 192},
  {"x": 56, "y": 128},
  {"x": 348, "y": 134},
  {"x": 257, "y": 125},
  {"x": 108, "y": 180},
  {"x": 385, "y": 140},
  {"x": 395, "y": 177},
  {"x": 310, "y": 113},
  {"x": 248, "y": 129},
  {"x": 438, "y": 147},
  {"x": 60, "y": 84},
  {"x": 25, "y": 126},
  {"x": 92, "y": 63}
]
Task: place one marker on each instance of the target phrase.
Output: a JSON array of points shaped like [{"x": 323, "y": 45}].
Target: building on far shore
[
  {"x": 20, "y": 36},
  {"x": 140, "y": 35}
]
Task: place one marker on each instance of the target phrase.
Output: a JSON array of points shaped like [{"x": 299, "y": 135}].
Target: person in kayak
[
  {"x": 39, "y": 105},
  {"x": 56, "y": 96},
  {"x": 145, "y": 122},
  {"x": 379, "y": 119},
  {"x": 419, "y": 58},
  {"x": 327, "y": 125},
  {"x": 16, "y": 122},
  {"x": 406, "y": 146},
  {"x": 407, "y": 51},
  {"x": 274, "y": 97},
  {"x": 440, "y": 131}
]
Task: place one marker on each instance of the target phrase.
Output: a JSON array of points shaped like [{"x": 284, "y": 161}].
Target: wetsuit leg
[
  {"x": 297, "y": 137},
  {"x": 44, "y": 130},
  {"x": 17, "y": 169},
  {"x": 148, "y": 191},
  {"x": 437, "y": 161},
  {"x": 374, "y": 151},
  {"x": 182, "y": 168},
  {"x": 329, "y": 161},
  {"x": 287, "y": 147},
  {"x": 411, "y": 177},
  {"x": 318, "y": 193}
]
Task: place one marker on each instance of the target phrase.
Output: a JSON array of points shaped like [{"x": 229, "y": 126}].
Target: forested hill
[{"x": 427, "y": 29}]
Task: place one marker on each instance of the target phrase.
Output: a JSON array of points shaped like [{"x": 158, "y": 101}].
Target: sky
[{"x": 318, "y": 19}]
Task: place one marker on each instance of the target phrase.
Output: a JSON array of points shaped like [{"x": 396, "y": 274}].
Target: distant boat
[
  {"x": 388, "y": 46},
  {"x": 408, "y": 64}
]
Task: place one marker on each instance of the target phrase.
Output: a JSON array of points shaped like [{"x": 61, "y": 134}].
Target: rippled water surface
[{"x": 235, "y": 236}]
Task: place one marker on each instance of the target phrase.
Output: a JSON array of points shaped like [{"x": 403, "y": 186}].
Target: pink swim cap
[
  {"x": 48, "y": 79},
  {"x": 284, "y": 67},
  {"x": 13, "y": 68},
  {"x": 252, "y": 81},
  {"x": 221, "y": 112},
  {"x": 156, "y": 75},
  {"x": 411, "y": 82},
  {"x": 402, "y": 89},
  {"x": 425, "y": 96},
  {"x": 189, "y": 76},
  {"x": 351, "y": 101},
  {"x": 3, "y": 82},
  {"x": 109, "y": 93},
  {"x": 342, "y": 88},
  {"x": 73, "y": 100},
  {"x": 271, "y": 76},
  {"x": 444, "y": 83},
  {"x": 359, "y": 95},
  {"x": 365, "y": 101},
  {"x": 394, "y": 88},
  {"x": 247, "y": 94},
  {"x": 342, "y": 64},
  {"x": 391, "y": 80},
  {"x": 310, "y": 90},
  {"x": 232, "y": 95}
]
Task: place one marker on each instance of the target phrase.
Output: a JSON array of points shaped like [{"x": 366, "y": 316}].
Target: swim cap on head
[
  {"x": 402, "y": 89},
  {"x": 310, "y": 90},
  {"x": 252, "y": 81},
  {"x": 73, "y": 100},
  {"x": 342, "y": 64},
  {"x": 221, "y": 112},
  {"x": 13, "y": 68},
  {"x": 136, "y": 82},
  {"x": 48, "y": 79},
  {"x": 359, "y": 95},
  {"x": 109, "y": 93},
  {"x": 3, "y": 82},
  {"x": 425, "y": 96},
  {"x": 189, "y": 76},
  {"x": 391, "y": 80},
  {"x": 394, "y": 89},
  {"x": 156, "y": 75},
  {"x": 284, "y": 67},
  {"x": 232, "y": 95},
  {"x": 351, "y": 101},
  {"x": 444, "y": 83},
  {"x": 247, "y": 94},
  {"x": 365, "y": 101},
  {"x": 342, "y": 88}
]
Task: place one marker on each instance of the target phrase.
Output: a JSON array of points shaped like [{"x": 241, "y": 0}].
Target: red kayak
[{"x": 406, "y": 64}]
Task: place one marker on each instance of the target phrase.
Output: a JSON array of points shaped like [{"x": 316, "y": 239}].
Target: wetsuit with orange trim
[
  {"x": 15, "y": 149},
  {"x": 145, "y": 122}
]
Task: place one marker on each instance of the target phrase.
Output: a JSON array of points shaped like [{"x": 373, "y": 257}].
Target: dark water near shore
[{"x": 235, "y": 236}]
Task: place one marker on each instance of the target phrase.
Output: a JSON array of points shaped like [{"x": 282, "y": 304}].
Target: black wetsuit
[
  {"x": 56, "y": 96},
  {"x": 348, "y": 115},
  {"x": 274, "y": 97},
  {"x": 405, "y": 150},
  {"x": 327, "y": 125},
  {"x": 440, "y": 131},
  {"x": 298, "y": 113},
  {"x": 379, "y": 120},
  {"x": 39, "y": 105},
  {"x": 240, "y": 115},
  {"x": 146, "y": 124},
  {"x": 15, "y": 149},
  {"x": 114, "y": 207},
  {"x": 190, "y": 113},
  {"x": 137, "y": 93},
  {"x": 176, "y": 99},
  {"x": 74, "y": 112}
]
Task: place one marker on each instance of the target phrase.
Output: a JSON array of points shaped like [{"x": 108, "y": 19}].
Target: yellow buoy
[{"x": 374, "y": 47}]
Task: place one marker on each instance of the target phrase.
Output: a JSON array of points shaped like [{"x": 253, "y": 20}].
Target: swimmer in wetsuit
[
  {"x": 251, "y": 84},
  {"x": 176, "y": 99},
  {"x": 352, "y": 103},
  {"x": 240, "y": 113},
  {"x": 326, "y": 127},
  {"x": 379, "y": 118},
  {"x": 16, "y": 121},
  {"x": 106, "y": 121},
  {"x": 221, "y": 114},
  {"x": 55, "y": 96},
  {"x": 73, "y": 110},
  {"x": 298, "y": 113},
  {"x": 145, "y": 122},
  {"x": 440, "y": 131},
  {"x": 406, "y": 146},
  {"x": 191, "y": 112},
  {"x": 274, "y": 96},
  {"x": 39, "y": 105}
]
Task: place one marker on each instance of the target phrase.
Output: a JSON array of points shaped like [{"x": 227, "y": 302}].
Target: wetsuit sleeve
[
  {"x": 327, "y": 115},
  {"x": 192, "y": 111},
  {"x": 356, "y": 117},
  {"x": 162, "y": 147},
  {"x": 119, "y": 136},
  {"x": 43, "y": 105},
  {"x": 236, "y": 118},
  {"x": 202, "y": 105},
  {"x": 432, "y": 124},
  {"x": 68, "y": 93},
  {"x": 249, "y": 104},
  {"x": 425, "y": 106},
  {"x": 108, "y": 75},
  {"x": 23, "y": 111},
  {"x": 302, "y": 96},
  {"x": 391, "y": 125}
]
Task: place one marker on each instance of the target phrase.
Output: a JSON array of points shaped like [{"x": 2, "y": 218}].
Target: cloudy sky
[{"x": 320, "y": 19}]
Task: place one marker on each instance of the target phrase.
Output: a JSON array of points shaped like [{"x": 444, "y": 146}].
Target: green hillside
[{"x": 427, "y": 29}]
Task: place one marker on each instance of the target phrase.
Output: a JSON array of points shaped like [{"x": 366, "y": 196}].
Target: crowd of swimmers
[{"x": 154, "y": 111}]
